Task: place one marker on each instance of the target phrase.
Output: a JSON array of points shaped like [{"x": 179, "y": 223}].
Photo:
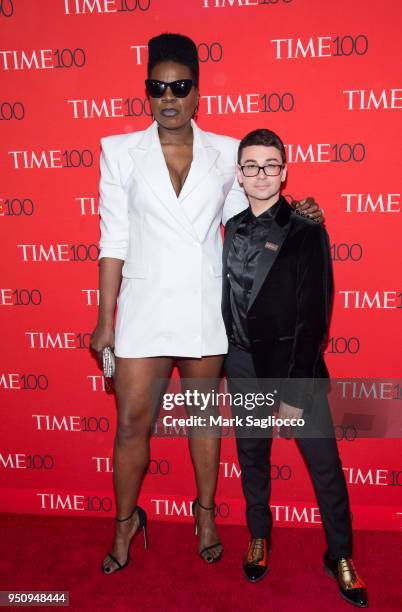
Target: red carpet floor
[{"x": 63, "y": 553}]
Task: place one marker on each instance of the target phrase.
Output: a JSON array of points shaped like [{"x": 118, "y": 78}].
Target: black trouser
[{"x": 322, "y": 458}]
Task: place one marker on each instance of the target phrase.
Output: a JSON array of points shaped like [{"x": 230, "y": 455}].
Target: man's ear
[
  {"x": 284, "y": 173},
  {"x": 239, "y": 174}
]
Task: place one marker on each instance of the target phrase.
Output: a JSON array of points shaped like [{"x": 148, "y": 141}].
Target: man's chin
[{"x": 261, "y": 195}]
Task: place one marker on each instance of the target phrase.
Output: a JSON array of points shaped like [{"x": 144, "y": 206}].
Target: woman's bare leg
[
  {"x": 205, "y": 451},
  {"x": 135, "y": 384}
]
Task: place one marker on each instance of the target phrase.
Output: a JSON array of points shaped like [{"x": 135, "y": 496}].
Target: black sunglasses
[{"x": 180, "y": 89}]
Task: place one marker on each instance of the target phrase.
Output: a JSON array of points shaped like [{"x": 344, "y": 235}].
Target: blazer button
[{"x": 228, "y": 275}]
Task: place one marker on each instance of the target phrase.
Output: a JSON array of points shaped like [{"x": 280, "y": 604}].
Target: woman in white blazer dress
[
  {"x": 169, "y": 302},
  {"x": 164, "y": 193}
]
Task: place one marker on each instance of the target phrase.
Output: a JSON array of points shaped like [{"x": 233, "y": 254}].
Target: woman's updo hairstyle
[{"x": 174, "y": 48}]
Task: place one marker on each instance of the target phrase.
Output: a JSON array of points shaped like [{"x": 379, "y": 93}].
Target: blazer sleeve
[
  {"x": 235, "y": 201},
  {"x": 314, "y": 301},
  {"x": 113, "y": 207}
]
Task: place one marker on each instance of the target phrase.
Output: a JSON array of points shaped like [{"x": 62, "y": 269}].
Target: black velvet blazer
[{"x": 290, "y": 302}]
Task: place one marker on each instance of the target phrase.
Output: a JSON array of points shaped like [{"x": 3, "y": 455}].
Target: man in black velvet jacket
[{"x": 276, "y": 303}]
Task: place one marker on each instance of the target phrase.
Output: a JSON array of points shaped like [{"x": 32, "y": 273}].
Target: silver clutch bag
[{"x": 108, "y": 362}]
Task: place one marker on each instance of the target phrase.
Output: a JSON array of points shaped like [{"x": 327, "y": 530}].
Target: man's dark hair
[
  {"x": 174, "y": 48},
  {"x": 267, "y": 138}
]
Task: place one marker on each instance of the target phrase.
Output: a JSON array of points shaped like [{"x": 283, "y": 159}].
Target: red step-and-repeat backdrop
[{"x": 324, "y": 75}]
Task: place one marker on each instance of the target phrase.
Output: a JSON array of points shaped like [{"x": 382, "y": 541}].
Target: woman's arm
[
  {"x": 109, "y": 284},
  {"x": 235, "y": 202},
  {"x": 114, "y": 238}
]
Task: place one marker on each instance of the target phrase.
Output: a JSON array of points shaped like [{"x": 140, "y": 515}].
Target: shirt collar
[{"x": 267, "y": 215}]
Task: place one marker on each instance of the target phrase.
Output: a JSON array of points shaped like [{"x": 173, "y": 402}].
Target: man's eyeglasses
[
  {"x": 250, "y": 170},
  {"x": 180, "y": 89}
]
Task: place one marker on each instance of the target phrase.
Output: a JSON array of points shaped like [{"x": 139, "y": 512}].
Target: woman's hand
[
  {"x": 109, "y": 283},
  {"x": 308, "y": 207},
  {"x": 103, "y": 335}
]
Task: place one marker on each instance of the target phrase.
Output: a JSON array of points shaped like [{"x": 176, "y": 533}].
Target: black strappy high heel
[
  {"x": 207, "y": 548},
  {"x": 142, "y": 515}
]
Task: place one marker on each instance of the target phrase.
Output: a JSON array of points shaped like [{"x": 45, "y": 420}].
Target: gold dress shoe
[
  {"x": 255, "y": 564},
  {"x": 351, "y": 586}
]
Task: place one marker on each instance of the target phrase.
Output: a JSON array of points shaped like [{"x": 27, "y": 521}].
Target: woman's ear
[{"x": 197, "y": 102}]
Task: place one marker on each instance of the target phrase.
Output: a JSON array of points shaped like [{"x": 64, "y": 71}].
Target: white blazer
[{"x": 170, "y": 296}]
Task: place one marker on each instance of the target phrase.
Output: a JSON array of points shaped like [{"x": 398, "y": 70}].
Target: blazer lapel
[
  {"x": 274, "y": 241},
  {"x": 228, "y": 237},
  {"x": 229, "y": 233},
  {"x": 204, "y": 157},
  {"x": 150, "y": 161}
]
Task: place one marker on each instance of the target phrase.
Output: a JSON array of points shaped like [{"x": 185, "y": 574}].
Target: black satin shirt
[{"x": 249, "y": 239}]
